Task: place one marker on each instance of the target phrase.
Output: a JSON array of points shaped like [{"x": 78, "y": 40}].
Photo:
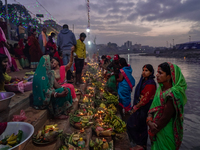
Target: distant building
[
  {"x": 128, "y": 44},
  {"x": 145, "y": 47},
  {"x": 137, "y": 46},
  {"x": 114, "y": 45},
  {"x": 189, "y": 45}
]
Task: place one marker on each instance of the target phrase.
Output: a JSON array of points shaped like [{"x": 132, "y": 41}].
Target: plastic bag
[
  {"x": 19, "y": 87},
  {"x": 20, "y": 117},
  {"x": 28, "y": 86}
]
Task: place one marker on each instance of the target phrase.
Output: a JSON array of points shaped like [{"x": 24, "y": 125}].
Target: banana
[{"x": 12, "y": 142}]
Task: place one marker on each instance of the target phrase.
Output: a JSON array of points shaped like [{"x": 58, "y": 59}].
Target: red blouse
[{"x": 147, "y": 94}]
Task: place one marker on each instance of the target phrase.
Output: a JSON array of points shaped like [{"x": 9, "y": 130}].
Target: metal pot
[
  {"x": 14, "y": 127},
  {"x": 5, "y": 98}
]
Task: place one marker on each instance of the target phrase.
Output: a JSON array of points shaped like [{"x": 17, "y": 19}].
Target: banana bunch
[
  {"x": 111, "y": 99},
  {"x": 112, "y": 107},
  {"x": 118, "y": 124},
  {"x": 12, "y": 139}
]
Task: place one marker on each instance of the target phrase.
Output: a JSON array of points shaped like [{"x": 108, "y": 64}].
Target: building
[
  {"x": 188, "y": 45},
  {"x": 137, "y": 46},
  {"x": 128, "y": 44}
]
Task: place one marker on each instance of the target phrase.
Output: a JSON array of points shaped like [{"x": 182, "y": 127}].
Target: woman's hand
[
  {"x": 65, "y": 89},
  {"x": 63, "y": 94},
  {"x": 153, "y": 127}
]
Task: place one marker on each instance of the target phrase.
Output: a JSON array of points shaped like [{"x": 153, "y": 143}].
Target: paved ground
[{"x": 20, "y": 73}]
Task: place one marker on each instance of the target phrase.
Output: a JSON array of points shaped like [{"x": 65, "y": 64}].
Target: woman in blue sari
[
  {"x": 126, "y": 82},
  {"x": 47, "y": 93},
  {"x": 144, "y": 94}
]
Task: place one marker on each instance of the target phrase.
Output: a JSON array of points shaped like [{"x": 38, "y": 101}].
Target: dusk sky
[{"x": 148, "y": 22}]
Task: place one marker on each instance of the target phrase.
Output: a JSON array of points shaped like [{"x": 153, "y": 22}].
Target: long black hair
[
  {"x": 2, "y": 69},
  {"x": 56, "y": 58},
  {"x": 165, "y": 68},
  {"x": 123, "y": 62}
]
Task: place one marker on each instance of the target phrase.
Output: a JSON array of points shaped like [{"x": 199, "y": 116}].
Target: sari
[
  {"x": 43, "y": 81},
  {"x": 34, "y": 51},
  {"x": 62, "y": 81},
  {"x": 111, "y": 84},
  {"x": 125, "y": 88},
  {"x": 170, "y": 137},
  {"x": 136, "y": 125},
  {"x": 20, "y": 54},
  {"x": 3, "y": 49}
]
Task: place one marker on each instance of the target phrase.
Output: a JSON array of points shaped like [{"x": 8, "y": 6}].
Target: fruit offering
[{"x": 13, "y": 139}]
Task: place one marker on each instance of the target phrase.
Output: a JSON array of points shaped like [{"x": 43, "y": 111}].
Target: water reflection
[{"x": 191, "y": 71}]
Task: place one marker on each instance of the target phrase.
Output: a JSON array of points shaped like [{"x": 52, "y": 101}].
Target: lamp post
[
  {"x": 8, "y": 24},
  {"x": 189, "y": 38}
]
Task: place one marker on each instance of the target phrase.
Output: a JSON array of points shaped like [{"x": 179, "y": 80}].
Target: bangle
[
  {"x": 150, "y": 133},
  {"x": 135, "y": 108},
  {"x": 55, "y": 94},
  {"x": 149, "y": 119}
]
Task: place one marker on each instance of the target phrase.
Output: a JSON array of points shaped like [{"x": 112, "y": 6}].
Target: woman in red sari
[
  {"x": 35, "y": 51},
  {"x": 50, "y": 44},
  {"x": 60, "y": 73},
  {"x": 18, "y": 48}
]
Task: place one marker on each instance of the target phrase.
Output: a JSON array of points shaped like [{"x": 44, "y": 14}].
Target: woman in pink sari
[
  {"x": 60, "y": 73},
  {"x": 4, "y": 50}
]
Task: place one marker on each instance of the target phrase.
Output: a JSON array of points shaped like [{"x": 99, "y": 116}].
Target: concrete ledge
[{"x": 18, "y": 102}]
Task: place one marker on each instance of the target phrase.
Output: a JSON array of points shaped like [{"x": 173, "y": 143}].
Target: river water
[{"x": 191, "y": 72}]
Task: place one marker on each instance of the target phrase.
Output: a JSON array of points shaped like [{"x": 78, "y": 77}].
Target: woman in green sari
[
  {"x": 165, "y": 118},
  {"x": 48, "y": 93}
]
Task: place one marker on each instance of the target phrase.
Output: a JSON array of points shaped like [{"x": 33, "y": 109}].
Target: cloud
[{"x": 151, "y": 22}]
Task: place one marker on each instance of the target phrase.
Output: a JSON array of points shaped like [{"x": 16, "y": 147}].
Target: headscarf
[
  {"x": 43, "y": 82},
  {"x": 177, "y": 92},
  {"x": 58, "y": 56},
  {"x": 142, "y": 83},
  {"x": 116, "y": 57},
  {"x": 108, "y": 57}
]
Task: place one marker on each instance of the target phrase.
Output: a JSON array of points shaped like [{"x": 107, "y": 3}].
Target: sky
[{"x": 146, "y": 22}]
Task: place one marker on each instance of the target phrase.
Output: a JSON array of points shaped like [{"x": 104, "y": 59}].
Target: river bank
[{"x": 187, "y": 55}]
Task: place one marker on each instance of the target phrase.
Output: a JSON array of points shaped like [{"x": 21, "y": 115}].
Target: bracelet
[
  {"x": 55, "y": 94},
  {"x": 150, "y": 133},
  {"x": 149, "y": 119},
  {"x": 135, "y": 108}
]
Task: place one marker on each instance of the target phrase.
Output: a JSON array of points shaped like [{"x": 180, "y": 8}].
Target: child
[{"x": 20, "y": 55}]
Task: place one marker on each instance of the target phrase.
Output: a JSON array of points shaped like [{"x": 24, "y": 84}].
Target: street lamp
[
  {"x": 89, "y": 43},
  {"x": 87, "y": 30}
]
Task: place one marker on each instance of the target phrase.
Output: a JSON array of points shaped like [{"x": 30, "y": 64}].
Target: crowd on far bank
[{"x": 157, "y": 112}]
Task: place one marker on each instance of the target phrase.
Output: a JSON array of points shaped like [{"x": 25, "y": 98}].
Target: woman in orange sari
[{"x": 60, "y": 73}]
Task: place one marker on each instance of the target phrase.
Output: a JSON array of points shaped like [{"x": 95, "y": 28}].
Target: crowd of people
[{"x": 157, "y": 112}]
